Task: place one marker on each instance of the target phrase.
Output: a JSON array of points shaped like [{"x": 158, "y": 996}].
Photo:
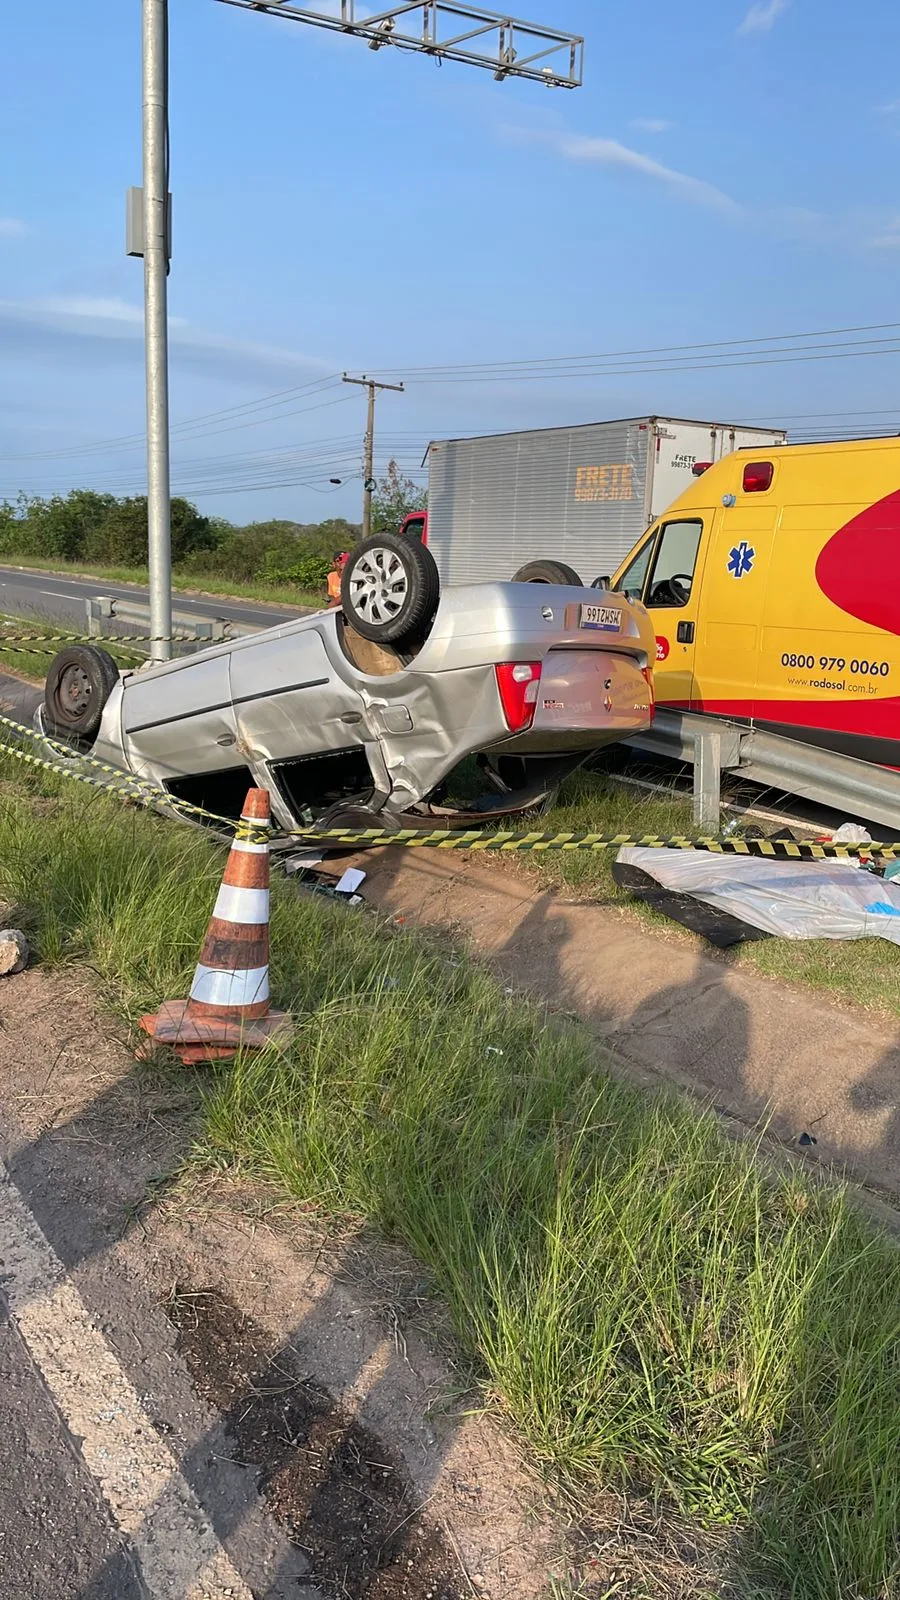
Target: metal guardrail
[
  {"x": 101, "y": 610},
  {"x": 856, "y": 788}
]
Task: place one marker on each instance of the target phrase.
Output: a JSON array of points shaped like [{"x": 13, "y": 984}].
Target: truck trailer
[{"x": 579, "y": 495}]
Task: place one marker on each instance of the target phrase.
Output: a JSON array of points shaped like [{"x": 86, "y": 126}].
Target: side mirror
[{"x": 601, "y": 583}]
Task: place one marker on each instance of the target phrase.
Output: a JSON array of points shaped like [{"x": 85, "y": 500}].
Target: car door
[
  {"x": 179, "y": 719},
  {"x": 289, "y": 700},
  {"x": 665, "y": 573}
]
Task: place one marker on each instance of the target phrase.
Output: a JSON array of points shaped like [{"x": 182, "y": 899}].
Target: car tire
[
  {"x": 548, "y": 572},
  {"x": 79, "y": 683},
  {"x": 390, "y": 589}
]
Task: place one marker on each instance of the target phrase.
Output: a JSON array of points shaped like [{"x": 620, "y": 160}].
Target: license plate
[{"x": 606, "y": 618}]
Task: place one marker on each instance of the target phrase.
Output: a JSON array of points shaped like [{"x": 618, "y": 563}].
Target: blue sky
[{"x": 728, "y": 171}]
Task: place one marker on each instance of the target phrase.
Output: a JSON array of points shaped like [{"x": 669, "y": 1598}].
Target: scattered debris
[
  {"x": 349, "y": 882},
  {"x": 301, "y": 861},
  {"x": 851, "y": 833},
  {"x": 14, "y": 952}
]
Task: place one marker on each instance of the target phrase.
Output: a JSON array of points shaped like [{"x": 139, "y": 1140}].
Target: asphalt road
[
  {"x": 56, "y": 1535},
  {"x": 45, "y": 596},
  {"x": 18, "y": 699},
  {"x": 117, "y": 1482}
]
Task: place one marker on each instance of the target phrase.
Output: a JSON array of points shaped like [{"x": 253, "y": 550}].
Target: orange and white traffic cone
[{"x": 228, "y": 1009}]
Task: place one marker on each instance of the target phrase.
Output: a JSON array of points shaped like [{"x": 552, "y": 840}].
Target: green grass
[
  {"x": 185, "y": 582},
  {"x": 644, "y": 1299},
  {"x": 864, "y": 972}
]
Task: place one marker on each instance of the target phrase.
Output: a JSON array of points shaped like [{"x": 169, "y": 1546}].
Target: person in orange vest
[{"x": 334, "y": 578}]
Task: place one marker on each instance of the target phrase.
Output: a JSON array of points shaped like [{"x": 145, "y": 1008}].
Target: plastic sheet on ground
[{"x": 805, "y": 900}]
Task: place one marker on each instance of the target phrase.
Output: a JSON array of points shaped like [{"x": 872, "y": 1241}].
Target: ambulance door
[
  {"x": 735, "y": 582},
  {"x": 666, "y": 574}
]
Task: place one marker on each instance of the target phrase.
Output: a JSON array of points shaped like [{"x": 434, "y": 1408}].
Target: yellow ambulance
[{"x": 773, "y": 583}]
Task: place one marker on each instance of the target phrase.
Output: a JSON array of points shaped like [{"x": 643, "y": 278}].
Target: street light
[{"x": 507, "y": 47}]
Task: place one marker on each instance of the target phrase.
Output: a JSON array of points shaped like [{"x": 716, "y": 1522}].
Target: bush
[
  {"x": 307, "y": 571},
  {"x": 277, "y": 552},
  {"x": 57, "y": 527},
  {"x": 90, "y": 527},
  {"x": 120, "y": 540}
]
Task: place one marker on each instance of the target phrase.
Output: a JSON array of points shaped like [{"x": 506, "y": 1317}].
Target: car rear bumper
[{"x": 586, "y": 699}]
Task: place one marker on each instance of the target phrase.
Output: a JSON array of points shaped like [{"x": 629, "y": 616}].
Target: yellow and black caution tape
[
  {"x": 141, "y": 791},
  {"x": 101, "y": 638},
  {"x": 49, "y": 644},
  {"x": 494, "y": 840}
]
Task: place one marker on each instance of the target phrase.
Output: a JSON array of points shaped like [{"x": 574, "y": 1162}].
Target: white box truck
[{"x": 579, "y": 495}]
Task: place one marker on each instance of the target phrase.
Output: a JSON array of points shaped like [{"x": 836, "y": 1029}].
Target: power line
[
  {"x": 652, "y": 350},
  {"x": 673, "y": 358},
  {"x": 337, "y": 452},
  {"x": 127, "y": 440},
  {"x": 786, "y": 358},
  {"x": 718, "y": 355}
]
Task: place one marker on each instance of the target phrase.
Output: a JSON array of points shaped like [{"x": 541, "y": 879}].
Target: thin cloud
[
  {"x": 618, "y": 157},
  {"x": 889, "y": 239},
  {"x": 13, "y": 228},
  {"x": 763, "y": 16},
  {"x": 651, "y": 124},
  {"x": 78, "y": 329},
  {"x": 88, "y": 306}
]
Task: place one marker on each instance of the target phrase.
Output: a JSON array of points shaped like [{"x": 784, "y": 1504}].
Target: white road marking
[{"x": 179, "y": 1554}]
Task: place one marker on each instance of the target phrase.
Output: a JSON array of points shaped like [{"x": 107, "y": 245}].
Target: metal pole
[
  {"x": 369, "y": 461},
  {"x": 156, "y": 344}
]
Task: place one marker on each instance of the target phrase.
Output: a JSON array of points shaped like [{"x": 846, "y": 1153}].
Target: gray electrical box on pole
[{"x": 134, "y": 224}]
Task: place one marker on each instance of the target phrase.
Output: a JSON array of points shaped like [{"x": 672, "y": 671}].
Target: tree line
[{"x": 87, "y": 527}]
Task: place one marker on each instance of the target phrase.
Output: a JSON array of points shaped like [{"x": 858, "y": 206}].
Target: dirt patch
[{"x": 335, "y": 1487}]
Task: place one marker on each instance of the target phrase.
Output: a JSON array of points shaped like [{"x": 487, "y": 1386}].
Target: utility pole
[
  {"x": 155, "y": 130},
  {"x": 369, "y": 452}
]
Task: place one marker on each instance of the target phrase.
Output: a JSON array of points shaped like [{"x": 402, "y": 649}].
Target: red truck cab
[{"x": 415, "y": 526}]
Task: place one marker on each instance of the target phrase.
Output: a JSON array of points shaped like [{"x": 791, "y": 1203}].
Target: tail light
[
  {"x": 647, "y": 675},
  {"x": 700, "y": 467},
  {"x": 518, "y": 683}
]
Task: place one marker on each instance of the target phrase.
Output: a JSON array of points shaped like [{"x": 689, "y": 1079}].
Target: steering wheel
[{"x": 678, "y": 587}]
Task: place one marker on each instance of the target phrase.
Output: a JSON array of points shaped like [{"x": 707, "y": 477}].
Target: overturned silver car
[{"x": 362, "y": 713}]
